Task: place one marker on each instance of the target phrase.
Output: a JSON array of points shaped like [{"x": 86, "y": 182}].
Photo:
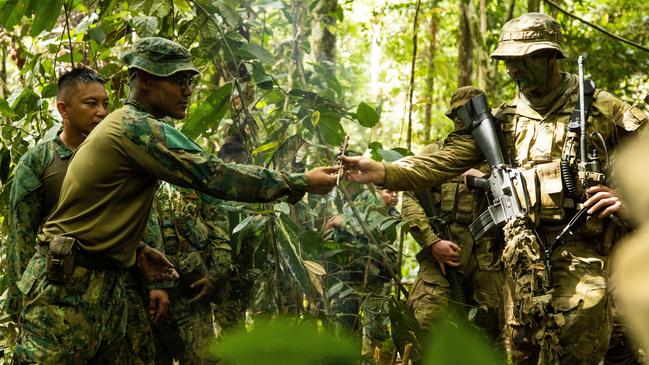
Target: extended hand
[
  {"x": 321, "y": 179},
  {"x": 363, "y": 170},
  {"x": 446, "y": 253},
  {"x": 606, "y": 201},
  {"x": 206, "y": 288},
  {"x": 155, "y": 266},
  {"x": 158, "y": 304}
]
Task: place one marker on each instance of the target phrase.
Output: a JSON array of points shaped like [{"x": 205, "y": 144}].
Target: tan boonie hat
[
  {"x": 158, "y": 56},
  {"x": 527, "y": 34},
  {"x": 460, "y": 97}
]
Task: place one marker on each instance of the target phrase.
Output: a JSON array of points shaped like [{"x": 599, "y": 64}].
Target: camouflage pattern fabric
[
  {"x": 70, "y": 323},
  {"x": 527, "y": 34},
  {"x": 198, "y": 248},
  {"x": 145, "y": 149},
  {"x": 536, "y": 143},
  {"x": 158, "y": 56},
  {"x": 480, "y": 267},
  {"x": 28, "y": 212}
]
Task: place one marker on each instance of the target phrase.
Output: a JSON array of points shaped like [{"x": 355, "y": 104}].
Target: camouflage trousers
[
  {"x": 189, "y": 323},
  {"x": 73, "y": 323},
  {"x": 482, "y": 282},
  {"x": 137, "y": 346},
  {"x": 580, "y": 298}
]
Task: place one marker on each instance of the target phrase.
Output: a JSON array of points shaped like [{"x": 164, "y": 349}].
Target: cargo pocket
[
  {"x": 465, "y": 206},
  {"x": 35, "y": 270},
  {"x": 551, "y": 192},
  {"x": 447, "y": 198}
]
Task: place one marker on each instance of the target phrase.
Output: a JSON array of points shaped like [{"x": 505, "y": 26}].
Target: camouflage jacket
[
  {"x": 194, "y": 234},
  {"x": 110, "y": 184},
  {"x": 535, "y": 141},
  {"x": 30, "y": 204}
]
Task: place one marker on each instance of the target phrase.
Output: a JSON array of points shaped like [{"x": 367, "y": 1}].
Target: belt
[{"x": 85, "y": 259}]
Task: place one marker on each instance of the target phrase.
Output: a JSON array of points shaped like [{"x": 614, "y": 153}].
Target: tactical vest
[
  {"x": 537, "y": 144},
  {"x": 183, "y": 228},
  {"x": 459, "y": 204}
]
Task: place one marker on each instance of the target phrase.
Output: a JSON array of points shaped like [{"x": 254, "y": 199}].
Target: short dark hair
[
  {"x": 75, "y": 77},
  {"x": 231, "y": 149}
]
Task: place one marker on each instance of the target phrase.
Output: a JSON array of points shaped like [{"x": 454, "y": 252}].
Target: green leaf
[
  {"x": 366, "y": 115},
  {"x": 331, "y": 130},
  {"x": 146, "y": 26},
  {"x": 258, "y": 52},
  {"x": 286, "y": 245},
  {"x": 390, "y": 155},
  {"x": 228, "y": 12},
  {"x": 5, "y": 109},
  {"x": 192, "y": 31},
  {"x": 243, "y": 224},
  {"x": 49, "y": 91},
  {"x": 334, "y": 289},
  {"x": 265, "y": 147},
  {"x": 282, "y": 207},
  {"x": 287, "y": 341},
  {"x": 12, "y": 12},
  {"x": 209, "y": 113},
  {"x": 26, "y": 102},
  {"x": 46, "y": 15},
  {"x": 97, "y": 34}
]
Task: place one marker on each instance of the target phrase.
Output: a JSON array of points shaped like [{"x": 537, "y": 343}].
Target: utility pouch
[{"x": 59, "y": 265}]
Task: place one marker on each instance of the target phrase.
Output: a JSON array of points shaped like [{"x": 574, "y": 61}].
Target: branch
[
  {"x": 67, "y": 26},
  {"x": 597, "y": 27}
]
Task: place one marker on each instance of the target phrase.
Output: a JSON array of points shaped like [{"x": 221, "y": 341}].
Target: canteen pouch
[{"x": 59, "y": 264}]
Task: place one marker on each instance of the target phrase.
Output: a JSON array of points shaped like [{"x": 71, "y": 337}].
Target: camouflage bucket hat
[
  {"x": 527, "y": 34},
  {"x": 158, "y": 56},
  {"x": 460, "y": 97}
]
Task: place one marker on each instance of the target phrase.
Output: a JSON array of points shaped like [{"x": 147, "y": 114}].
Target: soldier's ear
[{"x": 63, "y": 109}]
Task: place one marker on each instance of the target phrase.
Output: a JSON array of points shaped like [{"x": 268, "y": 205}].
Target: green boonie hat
[
  {"x": 527, "y": 34},
  {"x": 158, "y": 56},
  {"x": 460, "y": 97}
]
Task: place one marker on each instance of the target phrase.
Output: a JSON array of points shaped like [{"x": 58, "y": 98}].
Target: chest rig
[{"x": 548, "y": 149}]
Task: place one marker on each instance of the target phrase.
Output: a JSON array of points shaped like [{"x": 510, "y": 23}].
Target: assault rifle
[
  {"x": 506, "y": 188},
  {"x": 442, "y": 230}
]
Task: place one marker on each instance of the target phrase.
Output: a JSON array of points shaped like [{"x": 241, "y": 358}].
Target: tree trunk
[
  {"x": 533, "y": 6},
  {"x": 482, "y": 46},
  {"x": 510, "y": 10},
  {"x": 433, "y": 26},
  {"x": 465, "y": 46},
  {"x": 296, "y": 67},
  {"x": 323, "y": 40}
]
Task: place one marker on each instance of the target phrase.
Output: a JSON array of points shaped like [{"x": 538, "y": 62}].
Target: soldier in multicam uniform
[
  {"x": 105, "y": 201},
  {"x": 361, "y": 267},
  {"x": 478, "y": 262},
  {"x": 535, "y": 126}
]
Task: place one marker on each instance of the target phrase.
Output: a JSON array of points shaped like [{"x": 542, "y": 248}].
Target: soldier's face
[
  {"x": 531, "y": 73},
  {"x": 84, "y": 108},
  {"x": 169, "y": 96},
  {"x": 390, "y": 198}
]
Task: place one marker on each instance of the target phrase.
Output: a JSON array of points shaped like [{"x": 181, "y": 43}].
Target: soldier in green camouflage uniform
[
  {"x": 478, "y": 264},
  {"x": 82, "y": 101},
  {"x": 535, "y": 128},
  {"x": 105, "y": 201},
  {"x": 361, "y": 269},
  {"x": 201, "y": 254}
]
